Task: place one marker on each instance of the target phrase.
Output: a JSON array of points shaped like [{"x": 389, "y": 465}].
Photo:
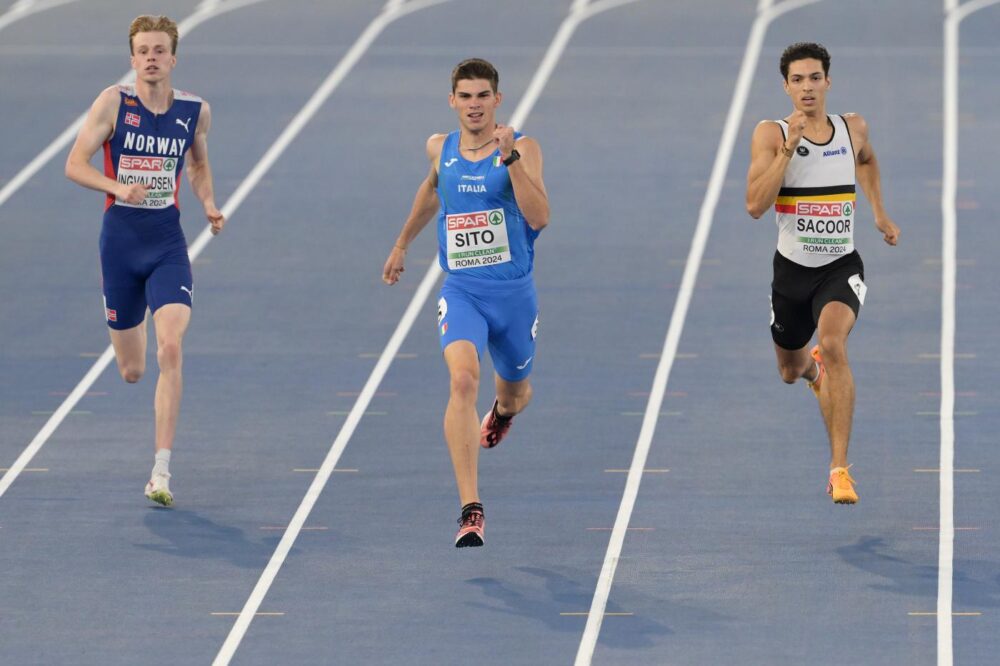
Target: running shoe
[
  {"x": 841, "y": 486},
  {"x": 158, "y": 489},
  {"x": 470, "y": 530},
  {"x": 493, "y": 428},
  {"x": 820, "y": 371}
]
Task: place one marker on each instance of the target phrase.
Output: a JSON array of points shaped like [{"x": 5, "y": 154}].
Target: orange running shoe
[
  {"x": 493, "y": 428},
  {"x": 841, "y": 486},
  {"x": 820, "y": 371}
]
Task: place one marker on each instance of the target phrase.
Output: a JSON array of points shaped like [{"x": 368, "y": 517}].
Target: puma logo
[
  {"x": 190, "y": 292},
  {"x": 184, "y": 124},
  {"x": 451, "y": 161}
]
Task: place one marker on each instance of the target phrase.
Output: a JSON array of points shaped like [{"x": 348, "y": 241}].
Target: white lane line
[
  {"x": 949, "y": 246},
  {"x": 206, "y": 9},
  {"x": 578, "y": 12},
  {"x": 230, "y": 207},
  {"x": 25, "y": 8},
  {"x": 766, "y": 13}
]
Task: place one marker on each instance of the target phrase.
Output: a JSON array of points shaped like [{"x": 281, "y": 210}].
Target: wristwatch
[{"x": 514, "y": 156}]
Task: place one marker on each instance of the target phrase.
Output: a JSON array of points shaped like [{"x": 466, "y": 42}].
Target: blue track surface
[{"x": 736, "y": 555}]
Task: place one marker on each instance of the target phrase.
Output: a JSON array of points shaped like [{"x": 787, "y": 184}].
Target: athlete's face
[
  {"x": 151, "y": 57},
  {"x": 476, "y": 104},
  {"x": 807, "y": 85}
]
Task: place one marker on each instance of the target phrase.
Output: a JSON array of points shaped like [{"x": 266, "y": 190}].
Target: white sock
[{"x": 162, "y": 464}]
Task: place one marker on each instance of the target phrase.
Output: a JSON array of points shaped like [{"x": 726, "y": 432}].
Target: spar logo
[
  {"x": 496, "y": 217},
  {"x": 824, "y": 208},
  {"x": 463, "y": 221},
  {"x": 142, "y": 163}
]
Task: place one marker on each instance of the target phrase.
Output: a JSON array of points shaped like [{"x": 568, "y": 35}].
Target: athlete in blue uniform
[
  {"x": 486, "y": 180},
  {"x": 147, "y": 130}
]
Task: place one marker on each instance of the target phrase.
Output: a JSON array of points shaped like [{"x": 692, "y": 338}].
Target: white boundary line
[
  {"x": 25, "y": 8},
  {"x": 579, "y": 12},
  {"x": 954, "y": 14},
  {"x": 766, "y": 13},
  {"x": 205, "y": 10},
  {"x": 393, "y": 10}
]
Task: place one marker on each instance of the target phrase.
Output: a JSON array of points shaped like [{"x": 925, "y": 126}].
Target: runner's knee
[
  {"x": 168, "y": 354},
  {"x": 833, "y": 349},
  {"x": 789, "y": 373},
  {"x": 131, "y": 372},
  {"x": 464, "y": 384}
]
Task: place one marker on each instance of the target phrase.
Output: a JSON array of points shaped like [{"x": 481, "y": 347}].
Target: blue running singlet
[
  {"x": 487, "y": 250},
  {"x": 144, "y": 260}
]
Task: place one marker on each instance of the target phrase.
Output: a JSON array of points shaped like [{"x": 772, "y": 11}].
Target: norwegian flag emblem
[
  {"x": 131, "y": 119},
  {"x": 112, "y": 314}
]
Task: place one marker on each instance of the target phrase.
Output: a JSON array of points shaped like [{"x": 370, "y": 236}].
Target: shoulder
[
  {"x": 435, "y": 143},
  {"x": 107, "y": 103},
  {"x": 112, "y": 95},
  {"x": 769, "y": 129},
  {"x": 855, "y": 123},
  {"x": 768, "y": 134},
  {"x": 526, "y": 143},
  {"x": 184, "y": 96}
]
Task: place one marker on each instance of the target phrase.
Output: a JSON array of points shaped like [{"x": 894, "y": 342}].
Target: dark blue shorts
[
  {"x": 500, "y": 314},
  {"x": 143, "y": 271}
]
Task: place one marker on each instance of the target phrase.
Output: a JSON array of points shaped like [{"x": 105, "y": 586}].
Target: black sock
[
  {"x": 470, "y": 507},
  {"x": 497, "y": 415}
]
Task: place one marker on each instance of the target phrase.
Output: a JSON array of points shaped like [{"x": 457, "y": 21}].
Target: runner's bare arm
[
  {"x": 425, "y": 204},
  {"x": 869, "y": 178},
  {"x": 767, "y": 167},
  {"x": 98, "y": 128},
  {"x": 200, "y": 171},
  {"x": 526, "y": 179}
]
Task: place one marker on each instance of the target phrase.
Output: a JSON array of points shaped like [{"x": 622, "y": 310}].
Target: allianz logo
[{"x": 833, "y": 153}]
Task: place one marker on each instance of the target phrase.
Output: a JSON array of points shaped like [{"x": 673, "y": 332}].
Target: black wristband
[{"x": 514, "y": 156}]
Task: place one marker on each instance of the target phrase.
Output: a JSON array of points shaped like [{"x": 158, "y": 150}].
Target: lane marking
[
  {"x": 260, "y": 613},
  {"x": 28, "y": 469},
  {"x": 766, "y": 13},
  {"x": 949, "y": 253},
  {"x": 930, "y": 613},
  {"x": 587, "y": 613},
  {"x": 401, "y": 354},
  {"x": 932, "y": 356},
  {"x": 608, "y": 529},
  {"x": 934, "y": 529},
  {"x": 25, "y": 8},
  {"x": 937, "y": 470},
  {"x": 316, "y": 469},
  {"x": 936, "y": 413},
  {"x": 285, "y": 527},
  {"x": 205, "y": 10},
  {"x": 645, "y": 471},
  {"x": 343, "y": 413}
]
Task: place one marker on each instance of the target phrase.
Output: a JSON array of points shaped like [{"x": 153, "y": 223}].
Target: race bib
[
  {"x": 825, "y": 227},
  {"x": 158, "y": 174},
  {"x": 477, "y": 239}
]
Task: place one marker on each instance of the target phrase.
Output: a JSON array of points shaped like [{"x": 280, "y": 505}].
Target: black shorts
[{"x": 799, "y": 293}]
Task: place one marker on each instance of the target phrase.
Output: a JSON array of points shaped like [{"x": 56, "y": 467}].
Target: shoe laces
[
  {"x": 472, "y": 519},
  {"x": 843, "y": 473}
]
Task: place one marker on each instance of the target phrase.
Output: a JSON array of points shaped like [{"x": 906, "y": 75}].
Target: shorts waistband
[{"x": 479, "y": 284}]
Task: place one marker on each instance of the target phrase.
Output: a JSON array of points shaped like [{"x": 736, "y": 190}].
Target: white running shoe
[{"x": 158, "y": 489}]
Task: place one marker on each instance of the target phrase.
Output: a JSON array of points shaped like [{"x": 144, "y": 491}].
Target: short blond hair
[{"x": 149, "y": 23}]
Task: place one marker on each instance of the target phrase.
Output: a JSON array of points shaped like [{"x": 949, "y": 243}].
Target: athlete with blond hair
[{"x": 148, "y": 130}]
